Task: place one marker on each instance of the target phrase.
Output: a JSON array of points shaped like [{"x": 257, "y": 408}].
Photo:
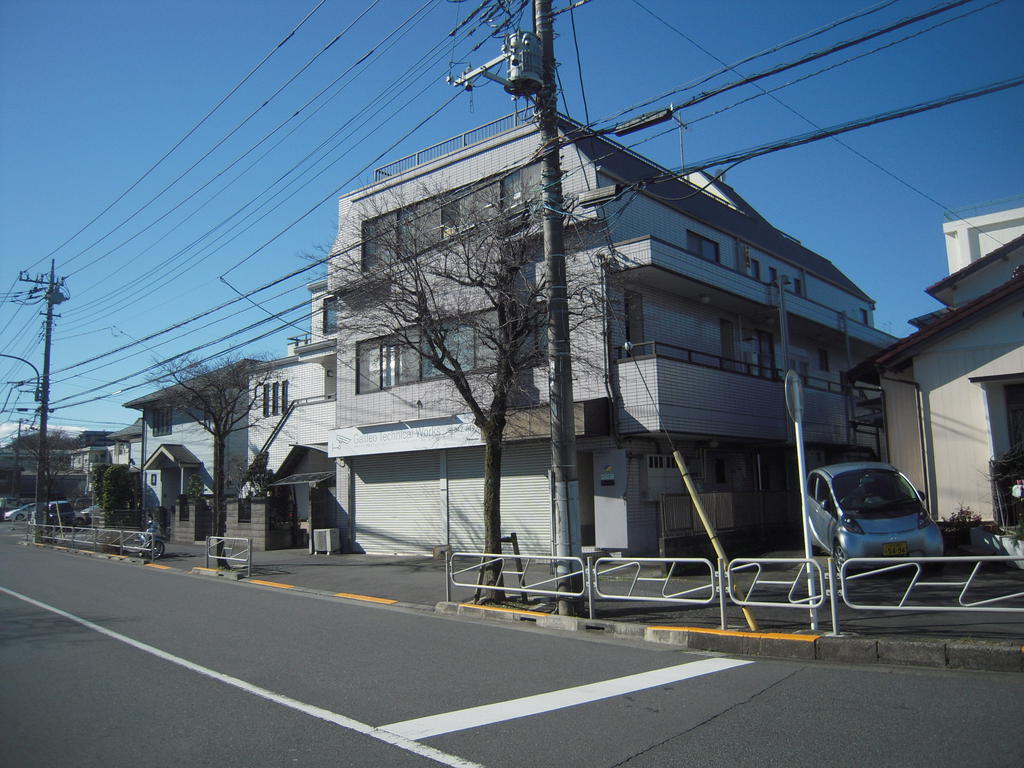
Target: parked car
[
  {"x": 61, "y": 513},
  {"x": 24, "y": 512},
  {"x": 92, "y": 511},
  {"x": 869, "y": 509}
]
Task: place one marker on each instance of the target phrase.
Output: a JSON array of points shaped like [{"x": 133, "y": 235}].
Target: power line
[
  {"x": 189, "y": 133},
  {"x": 835, "y": 48}
]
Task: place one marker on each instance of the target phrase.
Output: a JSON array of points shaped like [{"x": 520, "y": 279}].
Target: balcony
[
  {"x": 664, "y": 387},
  {"x": 691, "y": 276},
  {"x": 311, "y": 349}
]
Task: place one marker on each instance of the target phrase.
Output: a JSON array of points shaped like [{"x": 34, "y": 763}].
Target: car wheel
[
  {"x": 80, "y": 522},
  {"x": 19, "y": 517},
  {"x": 838, "y": 555}
]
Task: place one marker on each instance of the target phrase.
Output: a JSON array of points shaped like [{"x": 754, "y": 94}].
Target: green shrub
[{"x": 117, "y": 488}]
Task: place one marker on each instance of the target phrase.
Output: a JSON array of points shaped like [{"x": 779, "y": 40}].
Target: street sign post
[{"x": 795, "y": 407}]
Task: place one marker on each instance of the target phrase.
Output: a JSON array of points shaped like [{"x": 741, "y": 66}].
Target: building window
[
  {"x": 755, "y": 269},
  {"x": 519, "y": 186},
  {"x": 823, "y": 364},
  {"x": 284, "y": 396},
  {"x": 162, "y": 418},
  {"x": 266, "y": 400},
  {"x": 275, "y": 402},
  {"x": 329, "y": 315},
  {"x": 384, "y": 363},
  {"x": 633, "y": 317},
  {"x": 773, "y": 275},
  {"x": 798, "y": 286},
  {"x": 702, "y": 246},
  {"x": 370, "y": 231},
  {"x": 863, "y": 315}
]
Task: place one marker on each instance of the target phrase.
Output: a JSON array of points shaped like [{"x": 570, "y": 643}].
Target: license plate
[{"x": 894, "y": 549}]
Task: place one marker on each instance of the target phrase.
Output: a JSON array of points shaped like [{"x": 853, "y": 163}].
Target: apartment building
[{"x": 705, "y": 305}]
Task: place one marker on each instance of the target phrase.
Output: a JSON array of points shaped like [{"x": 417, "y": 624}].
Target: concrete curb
[{"x": 995, "y": 656}]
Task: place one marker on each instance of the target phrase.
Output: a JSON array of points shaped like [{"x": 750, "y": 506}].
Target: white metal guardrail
[
  {"x": 776, "y": 583},
  {"x": 111, "y": 540},
  {"x": 531, "y": 574},
  {"x": 966, "y": 593},
  {"x": 655, "y": 579},
  {"x": 226, "y": 549},
  {"x": 771, "y": 586}
]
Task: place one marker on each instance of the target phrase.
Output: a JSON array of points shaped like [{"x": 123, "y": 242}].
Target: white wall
[{"x": 971, "y": 238}]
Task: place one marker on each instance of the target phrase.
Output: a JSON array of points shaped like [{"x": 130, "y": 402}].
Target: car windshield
[{"x": 873, "y": 490}]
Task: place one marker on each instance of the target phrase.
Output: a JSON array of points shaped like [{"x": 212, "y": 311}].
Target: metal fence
[
  {"x": 522, "y": 574},
  {"x": 225, "y": 550},
  {"x": 125, "y": 543},
  {"x": 811, "y": 585}
]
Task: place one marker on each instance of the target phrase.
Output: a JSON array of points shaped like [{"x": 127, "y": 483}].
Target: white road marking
[
  {"x": 474, "y": 717},
  {"x": 392, "y": 739}
]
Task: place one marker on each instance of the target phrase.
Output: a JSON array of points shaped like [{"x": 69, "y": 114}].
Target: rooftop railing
[{"x": 474, "y": 136}]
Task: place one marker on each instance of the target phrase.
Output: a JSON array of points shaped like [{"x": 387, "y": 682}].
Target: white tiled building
[
  {"x": 294, "y": 413},
  {"x": 692, "y": 285}
]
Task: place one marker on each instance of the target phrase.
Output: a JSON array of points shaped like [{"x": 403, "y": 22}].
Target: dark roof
[
  {"x": 974, "y": 266},
  {"x": 175, "y": 453},
  {"x": 895, "y": 355},
  {"x": 743, "y": 221},
  {"x": 129, "y": 432}
]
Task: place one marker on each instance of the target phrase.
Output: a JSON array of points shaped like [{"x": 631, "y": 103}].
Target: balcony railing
[{"x": 743, "y": 367}]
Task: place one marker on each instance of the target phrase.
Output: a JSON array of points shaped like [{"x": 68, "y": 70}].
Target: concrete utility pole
[
  {"x": 563, "y": 422},
  {"x": 52, "y": 295}
]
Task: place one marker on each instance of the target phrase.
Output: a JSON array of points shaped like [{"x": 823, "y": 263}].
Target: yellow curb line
[
  {"x": 735, "y": 633},
  {"x": 504, "y": 610},
  {"x": 271, "y": 584},
  {"x": 367, "y": 598},
  {"x": 161, "y": 567},
  {"x": 202, "y": 568}
]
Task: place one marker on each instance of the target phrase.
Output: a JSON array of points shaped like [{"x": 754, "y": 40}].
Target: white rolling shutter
[
  {"x": 525, "y": 504},
  {"x": 466, "y": 499},
  {"x": 397, "y": 506}
]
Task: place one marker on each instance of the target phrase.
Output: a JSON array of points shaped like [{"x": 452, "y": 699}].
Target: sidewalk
[{"x": 977, "y": 640}]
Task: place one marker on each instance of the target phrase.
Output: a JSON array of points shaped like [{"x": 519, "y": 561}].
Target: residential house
[
  {"x": 706, "y": 306},
  {"x": 953, "y": 392},
  {"x": 176, "y": 450}
]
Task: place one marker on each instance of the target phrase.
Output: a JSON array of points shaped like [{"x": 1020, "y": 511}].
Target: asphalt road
[{"x": 107, "y": 664}]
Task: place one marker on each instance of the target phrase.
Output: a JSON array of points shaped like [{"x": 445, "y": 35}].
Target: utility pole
[
  {"x": 528, "y": 76},
  {"x": 52, "y": 295},
  {"x": 560, "y": 398}
]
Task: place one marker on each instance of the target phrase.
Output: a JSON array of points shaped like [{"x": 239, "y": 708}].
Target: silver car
[{"x": 869, "y": 509}]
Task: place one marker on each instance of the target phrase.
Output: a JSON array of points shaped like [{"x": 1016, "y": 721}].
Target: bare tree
[
  {"x": 59, "y": 465},
  {"x": 453, "y": 286},
  {"x": 219, "y": 397}
]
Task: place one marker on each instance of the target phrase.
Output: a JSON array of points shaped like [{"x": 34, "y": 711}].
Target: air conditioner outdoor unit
[{"x": 326, "y": 540}]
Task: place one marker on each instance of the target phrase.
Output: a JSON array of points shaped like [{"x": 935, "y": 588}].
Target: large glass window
[
  {"x": 702, "y": 246},
  {"x": 383, "y": 363}
]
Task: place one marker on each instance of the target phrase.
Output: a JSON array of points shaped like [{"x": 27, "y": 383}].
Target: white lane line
[
  {"x": 474, "y": 717},
  {"x": 392, "y": 739}
]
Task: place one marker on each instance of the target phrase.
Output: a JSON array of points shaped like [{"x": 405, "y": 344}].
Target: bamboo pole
[{"x": 708, "y": 527}]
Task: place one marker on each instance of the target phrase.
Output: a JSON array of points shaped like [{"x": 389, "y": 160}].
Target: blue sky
[{"x": 93, "y": 94}]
